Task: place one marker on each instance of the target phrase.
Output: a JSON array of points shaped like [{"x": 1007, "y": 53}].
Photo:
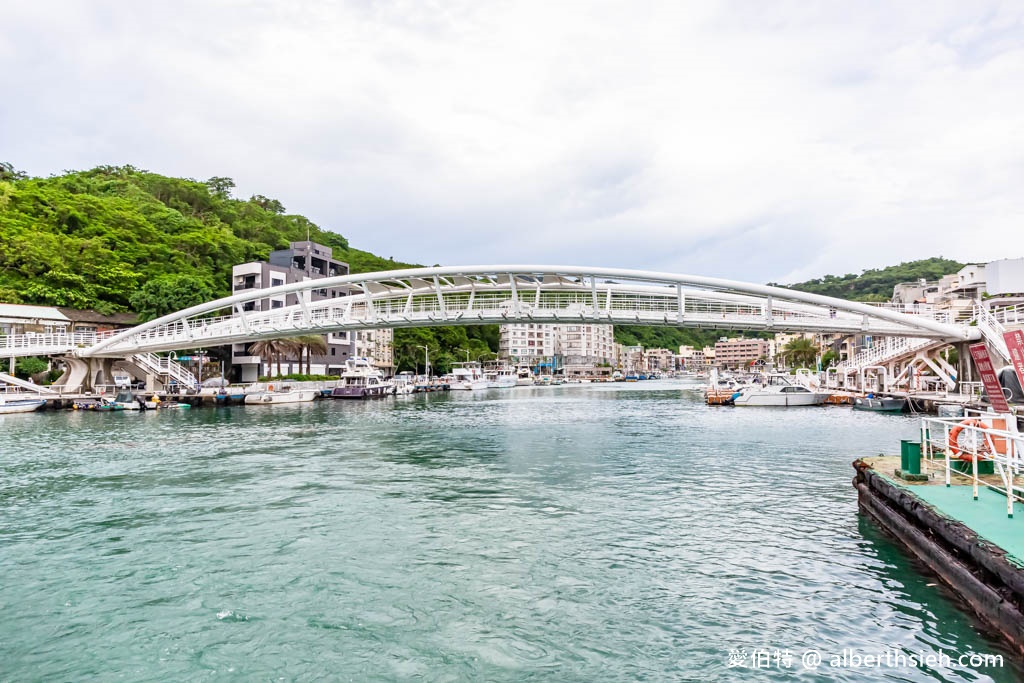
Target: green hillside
[
  {"x": 118, "y": 238},
  {"x": 877, "y": 284}
]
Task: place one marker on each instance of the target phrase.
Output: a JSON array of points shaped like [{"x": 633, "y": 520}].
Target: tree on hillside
[
  {"x": 169, "y": 293},
  {"x": 220, "y": 186},
  {"x": 8, "y": 172},
  {"x": 267, "y": 204}
]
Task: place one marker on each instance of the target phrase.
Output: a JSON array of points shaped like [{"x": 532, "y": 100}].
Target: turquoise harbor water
[{"x": 594, "y": 532}]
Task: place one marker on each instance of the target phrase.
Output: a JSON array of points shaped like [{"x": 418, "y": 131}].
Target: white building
[
  {"x": 1004, "y": 282},
  {"x": 578, "y": 349},
  {"x": 523, "y": 342}
]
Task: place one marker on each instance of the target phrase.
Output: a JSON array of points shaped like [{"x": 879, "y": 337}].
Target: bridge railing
[{"x": 46, "y": 340}]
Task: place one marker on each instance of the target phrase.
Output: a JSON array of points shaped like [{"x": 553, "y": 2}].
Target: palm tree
[
  {"x": 802, "y": 352},
  {"x": 310, "y": 344},
  {"x": 272, "y": 349}
]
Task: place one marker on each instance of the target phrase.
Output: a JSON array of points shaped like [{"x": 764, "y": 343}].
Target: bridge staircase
[
  {"x": 991, "y": 325},
  {"x": 166, "y": 368}
]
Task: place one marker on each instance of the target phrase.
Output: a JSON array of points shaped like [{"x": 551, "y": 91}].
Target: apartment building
[
  {"x": 575, "y": 349},
  {"x": 300, "y": 262},
  {"x": 659, "y": 360},
  {"x": 739, "y": 353}
]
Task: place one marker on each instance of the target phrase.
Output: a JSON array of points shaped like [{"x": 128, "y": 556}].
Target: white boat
[
  {"x": 468, "y": 376},
  {"x": 500, "y": 376},
  {"x": 777, "y": 390},
  {"x": 362, "y": 379},
  {"x": 127, "y": 401},
  {"x": 405, "y": 383},
  {"x": 279, "y": 393},
  {"x": 524, "y": 376},
  {"x": 543, "y": 380},
  {"x": 20, "y": 405}
]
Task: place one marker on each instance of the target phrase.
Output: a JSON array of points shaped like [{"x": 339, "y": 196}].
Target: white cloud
[{"x": 746, "y": 140}]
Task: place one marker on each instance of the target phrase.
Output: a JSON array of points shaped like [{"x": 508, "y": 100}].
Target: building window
[
  {"x": 275, "y": 282},
  {"x": 277, "y": 304}
]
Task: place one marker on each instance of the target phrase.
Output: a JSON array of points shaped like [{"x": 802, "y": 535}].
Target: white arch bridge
[{"x": 474, "y": 295}]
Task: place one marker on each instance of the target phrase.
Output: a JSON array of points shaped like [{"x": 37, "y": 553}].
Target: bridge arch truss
[{"x": 475, "y": 295}]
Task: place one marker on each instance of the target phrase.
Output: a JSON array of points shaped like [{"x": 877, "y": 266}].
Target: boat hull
[
  {"x": 21, "y": 406},
  {"x": 357, "y": 392},
  {"x": 880, "y": 405},
  {"x": 265, "y": 398},
  {"x": 779, "y": 400}
]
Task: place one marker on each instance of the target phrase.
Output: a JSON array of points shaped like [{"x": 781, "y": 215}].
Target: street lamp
[{"x": 426, "y": 359}]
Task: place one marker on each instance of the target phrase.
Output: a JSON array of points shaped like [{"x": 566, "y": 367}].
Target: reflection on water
[{"x": 577, "y": 533}]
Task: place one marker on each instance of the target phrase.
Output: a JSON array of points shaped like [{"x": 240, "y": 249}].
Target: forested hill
[
  {"x": 92, "y": 239},
  {"x": 877, "y": 285}
]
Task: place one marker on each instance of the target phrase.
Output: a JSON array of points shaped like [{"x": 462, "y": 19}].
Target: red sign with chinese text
[
  {"x": 1015, "y": 343},
  {"x": 996, "y": 399}
]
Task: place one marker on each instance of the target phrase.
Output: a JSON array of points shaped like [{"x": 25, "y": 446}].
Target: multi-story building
[
  {"x": 300, "y": 262},
  {"x": 658, "y": 360},
  {"x": 526, "y": 342},
  {"x": 632, "y": 359},
  {"x": 739, "y": 353},
  {"x": 575, "y": 349}
]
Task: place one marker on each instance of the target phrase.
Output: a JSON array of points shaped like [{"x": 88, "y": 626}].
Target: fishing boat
[
  {"x": 468, "y": 376},
  {"x": 879, "y": 405},
  {"x": 500, "y": 376},
  {"x": 776, "y": 389},
  {"x": 20, "y": 405},
  {"x": 276, "y": 394},
  {"x": 127, "y": 401},
  {"x": 524, "y": 376},
  {"x": 404, "y": 383},
  {"x": 361, "y": 379}
]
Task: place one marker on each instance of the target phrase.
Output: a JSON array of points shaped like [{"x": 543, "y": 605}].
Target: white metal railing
[
  {"x": 884, "y": 350},
  {"x": 981, "y": 437},
  {"x": 1008, "y": 315},
  {"x": 167, "y": 366},
  {"x": 992, "y": 330}
]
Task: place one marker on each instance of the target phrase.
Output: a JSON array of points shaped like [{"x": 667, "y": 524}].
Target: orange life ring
[
  {"x": 270, "y": 387},
  {"x": 954, "y": 436}
]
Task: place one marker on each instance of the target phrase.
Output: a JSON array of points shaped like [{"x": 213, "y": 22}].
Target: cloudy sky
[{"x": 764, "y": 141}]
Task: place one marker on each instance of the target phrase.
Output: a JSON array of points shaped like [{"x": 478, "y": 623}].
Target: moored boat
[
  {"x": 468, "y": 376},
  {"x": 777, "y": 390},
  {"x": 279, "y": 393},
  {"x": 500, "y": 376},
  {"x": 361, "y": 379},
  {"x": 880, "y": 405},
  {"x": 20, "y": 405}
]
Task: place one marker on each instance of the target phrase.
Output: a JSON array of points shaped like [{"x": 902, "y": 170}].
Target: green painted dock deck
[{"x": 986, "y": 516}]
